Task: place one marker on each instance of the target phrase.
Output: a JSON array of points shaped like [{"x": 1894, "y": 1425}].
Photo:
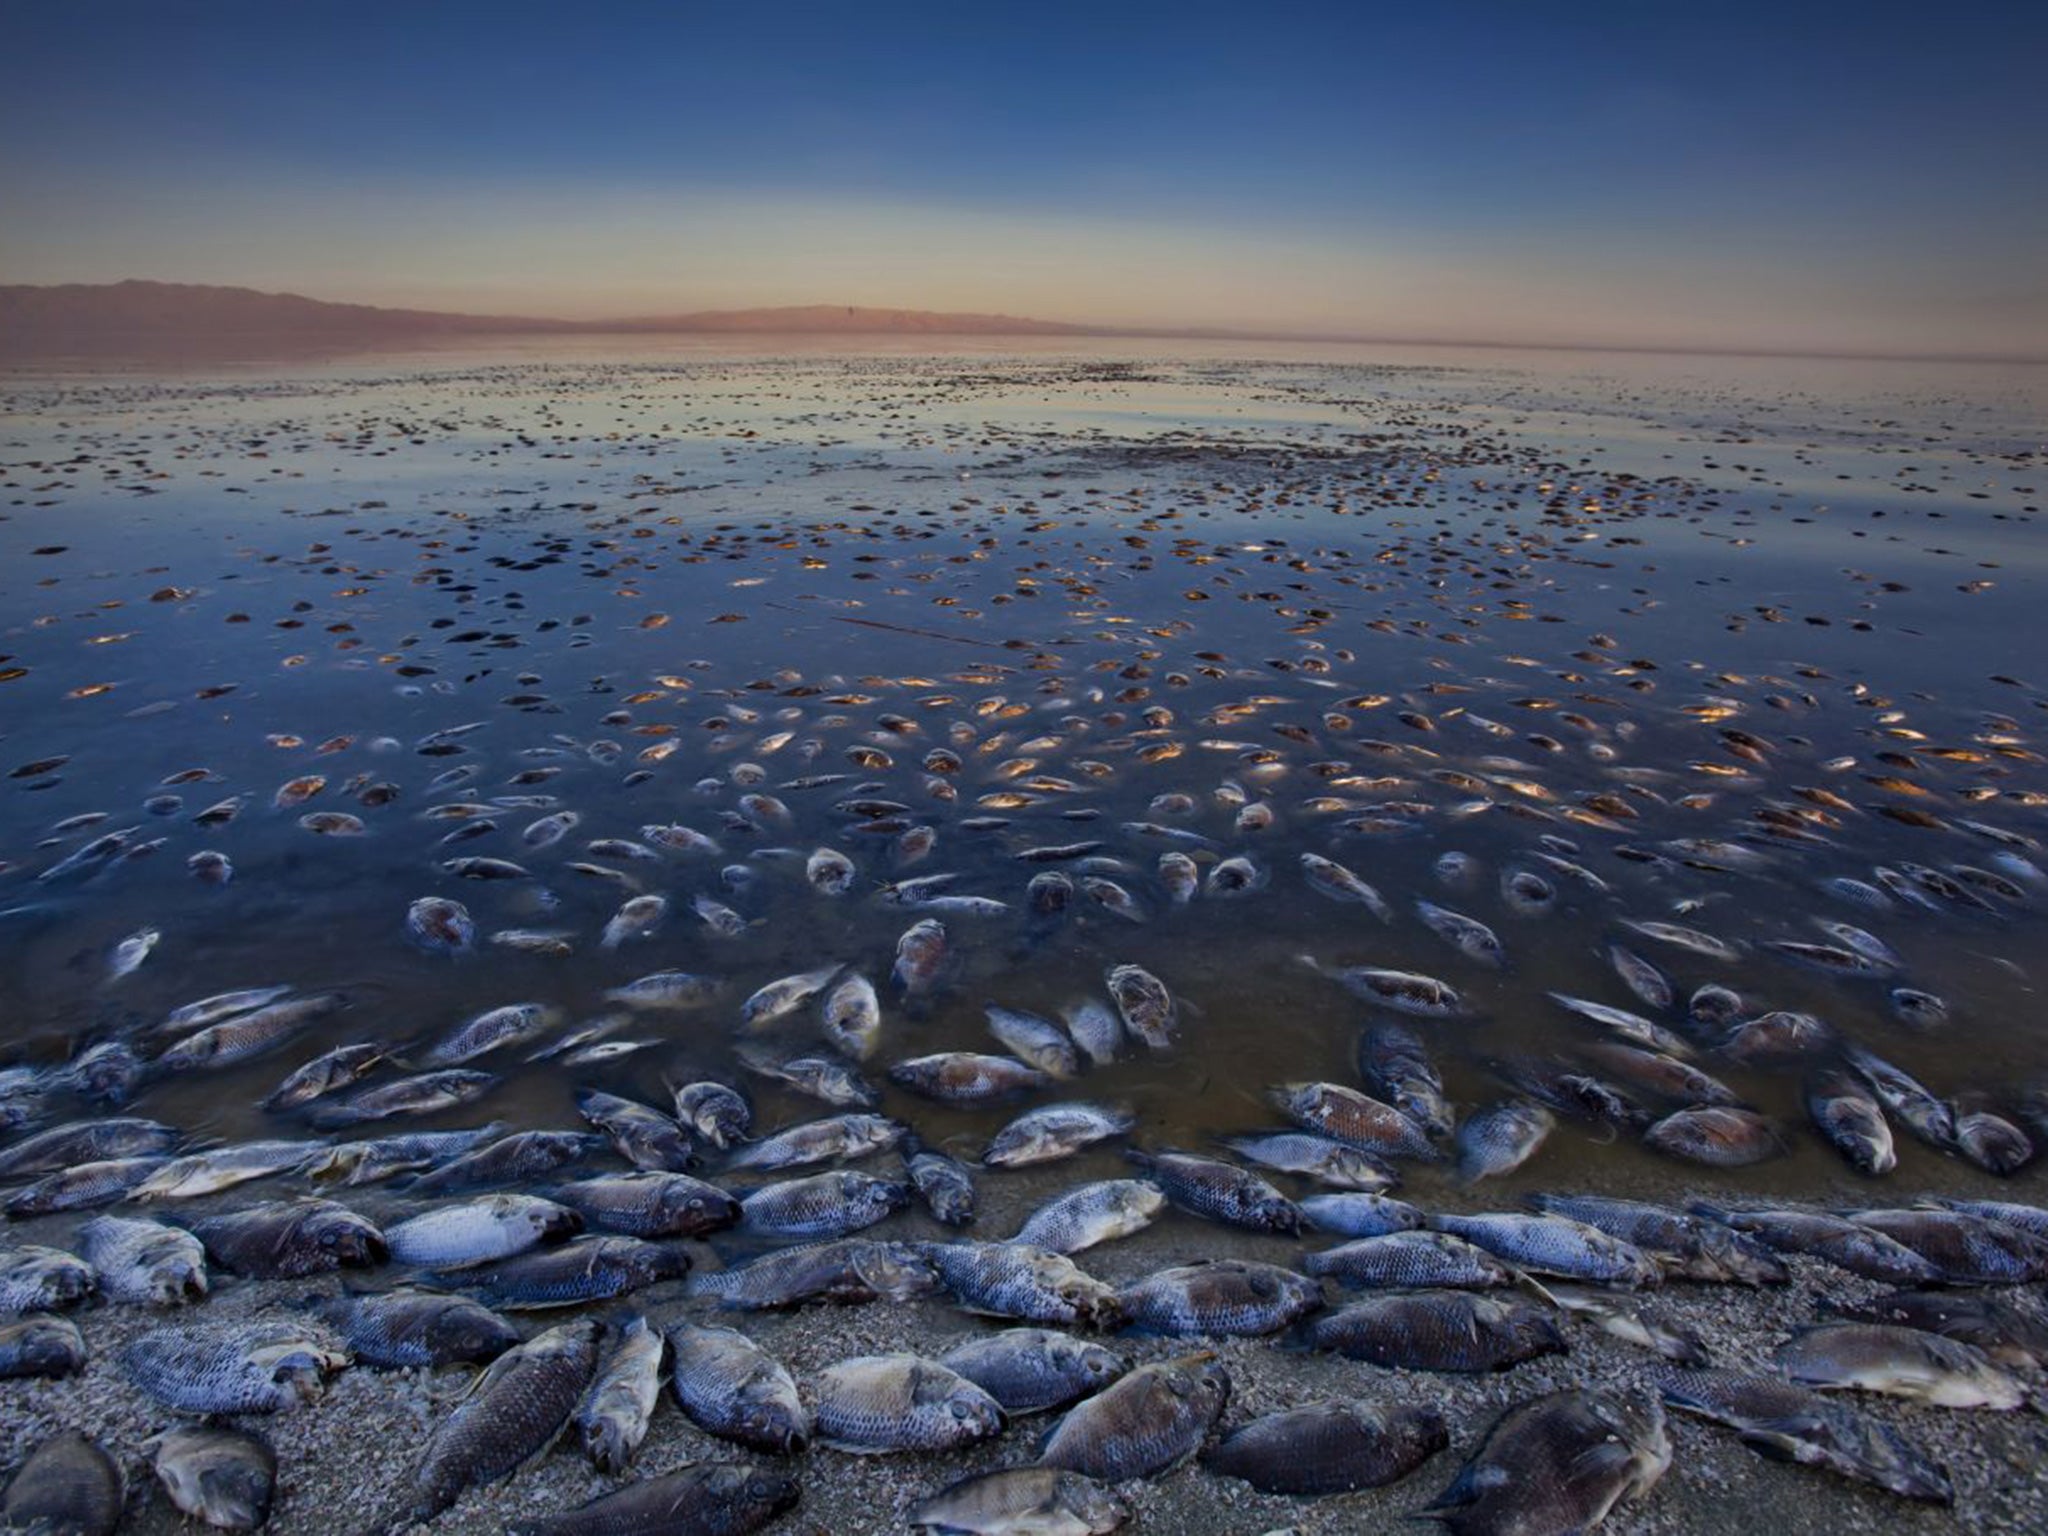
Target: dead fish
[
  {"x": 1315, "y": 1157},
  {"x": 1409, "y": 1260},
  {"x": 425, "y": 1094},
  {"x": 1789, "y": 1423},
  {"x": 1015, "y": 1280},
  {"x": 1218, "y": 1296},
  {"x": 1399, "y": 991},
  {"x": 492, "y": 1030},
  {"x": 1642, "y": 978},
  {"x": 469, "y": 1232},
  {"x": 66, "y": 1485},
  {"x": 1988, "y": 1139},
  {"x": 222, "y": 1476},
  {"x": 40, "y": 1346},
  {"x": 730, "y": 1387},
  {"x": 234, "y": 1367},
  {"x": 401, "y": 1328},
  {"x": 714, "y": 1112},
  {"x": 2006, "y": 1335},
  {"x": 246, "y": 1035},
  {"x": 1966, "y": 1249},
  {"x": 515, "y": 1410},
  {"x": 1054, "y": 1131},
  {"x": 1362, "y": 1214},
  {"x": 1851, "y": 1122},
  {"x": 63, "y": 1146},
  {"x": 1527, "y": 892},
  {"x": 851, "y": 1270},
  {"x": 919, "y": 955},
  {"x": 1354, "y": 1118},
  {"x": 1220, "y": 1191},
  {"x": 206, "y": 1173},
  {"x": 827, "y": 1079},
  {"x": 1627, "y": 1319},
  {"x": 1031, "y": 1370},
  {"x": 1501, "y": 1137},
  {"x": 1555, "y": 1245},
  {"x": 1904, "y": 1097},
  {"x": 131, "y": 952},
  {"x": 1901, "y": 1362},
  {"x": 1718, "y": 1136},
  {"x": 824, "y": 1205},
  {"x": 900, "y": 1402},
  {"x": 1092, "y": 1214},
  {"x": 37, "y": 1279},
  {"x": 1437, "y": 1330},
  {"x": 1470, "y": 937},
  {"x": 437, "y": 923},
  {"x": 966, "y": 1077},
  {"x": 1336, "y": 1446},
  {"x": 289, "y": 1239},
  {"x": 730, "y": 1499},
  {"x": 784, "y": 996},
  {"x": 613, "y": 1419},
  {"x": 668, "y": 992},
  {"x": 324, "y": 1074},
  {"x": 1022, "y": 1501},
  {"x": 1860, "y": 1249},
  {"x": 1686, "y": 1246},
  {"x": 1631, "y": 1027},
  {"x": 1394, "y": 1061},
  {"x": 1144, "y": 1004},
  {"x": 637, "y": 918},
  {"x": 144, "y": 1261},
  {"x": 817, "y": 1141},
  {"x": 1144, "y": 1424},
  {"x": 1689, "y": 939},
  {"x": 644, "y": 1137},
  {"x": 1558, "y": 1463},
  {"x": 1331, "y": 879},
  {"x": 582, "y": 1270},
  {"x": 1038, "y": 1041}
]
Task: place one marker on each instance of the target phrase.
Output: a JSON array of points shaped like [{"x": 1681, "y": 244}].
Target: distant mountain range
[{"x": 35, "y": 318}]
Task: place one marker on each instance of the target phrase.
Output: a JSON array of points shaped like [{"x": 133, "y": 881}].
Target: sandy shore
[{"x": 356, "y": 1448}]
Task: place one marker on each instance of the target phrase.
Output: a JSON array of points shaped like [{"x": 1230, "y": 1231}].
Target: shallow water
[{"x": 684, "y": 560}]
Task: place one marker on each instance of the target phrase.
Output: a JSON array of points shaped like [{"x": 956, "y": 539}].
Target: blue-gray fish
[
  {"x": 817, "y": 1141},
  {"x": 144, "y": 1261},
  {"x": 1406, "y": 992},
  {"x": 823, "y": 1205},
  {"x": 1902, "y": 1362},
  {"x": 234, "y": 1367},
  {"x": 400, "y": 1328},
  {"x": 1336, "y": 1446},
  {"x": 1558, "y": 1463},
  {"x": 1502, "y": 1137},
  {"x": 613, "y": 1419},
  {"x": 1219, "y": 1296},
  {"x": 582, "y": 1270},
  {"x": 852, "y": 1269},
  {"x": 1091, "y": 1214},
  {"x": 1054, "y": 1131},
  {"x": 40, "y": 1345},
  {"x": 1360, "y": 1214},
  {"x": 1408, "y": 1259},
  {"x": 1555, "y": 1245},
  {"x": 1860, "y": 1249},
  {"x": 66, "y": 1485},
  {"x": 715, "y": 1498},
  {"x": 1790, "y": 1423},
  {"x": 1220, "y": 1191},
  {"x": 731, "y": 1387},
  {"x": 1315, "y": 1157},
  {"x": 222, "y": 1476},
  {"x": 288, "y": 1239},
  {"x": 516, "y": 1409},
  {"x": 1144, "y": 1424},
  {"x": 1014, "y": 1280},
  {"x": 1031, "y": 1370},
  {"x": 900, "y": 1402},
  {"x": 1437, "y": 1330}
]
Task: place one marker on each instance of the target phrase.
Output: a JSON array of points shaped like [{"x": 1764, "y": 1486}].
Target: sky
[{"x": 1831, "y": 177}]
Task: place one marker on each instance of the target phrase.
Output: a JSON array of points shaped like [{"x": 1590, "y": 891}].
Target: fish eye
[
  {"x": 759, "y": 1489},
  {"x": 958, "y": 1409}
]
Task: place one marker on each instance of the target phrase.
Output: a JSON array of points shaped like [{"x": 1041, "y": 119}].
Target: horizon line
[{"x": 677, "y": 323}]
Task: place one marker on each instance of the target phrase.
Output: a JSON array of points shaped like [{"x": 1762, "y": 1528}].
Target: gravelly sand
[{"x": 345, "y": 1462}]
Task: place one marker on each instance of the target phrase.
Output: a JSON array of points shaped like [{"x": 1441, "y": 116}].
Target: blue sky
[{"x": 1840, "y": 176}]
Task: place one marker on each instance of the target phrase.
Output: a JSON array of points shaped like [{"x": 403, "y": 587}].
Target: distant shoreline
[{"x": 41, "y": 322}]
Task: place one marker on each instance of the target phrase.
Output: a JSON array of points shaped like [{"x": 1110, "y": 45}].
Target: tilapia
[
  {"x": 1789, "y": 1423},
  {"x": 1054, "y": 1131},
  {"x": 854, "y": 1269},
  {"x": 478, "y": 1231},
  {"x": 651, "y": 1204},
  {"x": 401, "y": 1328},
  {"x": 1406, "y": 992},
  {"x": 1861, "y": 1250},
  {"x": 229, "y": 1367},
  {"x": 1015, "y": 1280},
  {"x": 144, "y": 1261},
  {"x": 67, "y": 1486},
  {"x": 817, "y": 1141},
  {"x": 1145, "y": 1006},
  {"x": 1337, "y": 1446},
  {"x": 585, "y": 1269},
  {"x": 1220, "y": 1191},
  {"x": 1218, "y": 1296},
  {"x": 1558, "y": 1463},
  {"x": 1501, "y": 1137},
  {"x": 222, "y": 1476},
  {"x": 613, "y": 1419},
  {"x": 714, "y": 1498},
  {"x": 875, "y": 1404},
  {"x": 1031, "y": 1370},
  {"x": 515, "y": 1410},
  {"x": 644, "y": 1137},
  {"x": 1555, "y": 1245},
  {"x": 1437, "y": 1330},
  {"x": 40, "y": 1345},
  {"x": 289, "y": 1239},
  {"x": 1022, "y": 1501},
  {"x": 1903, "y": 1362},
  {"x": 731, "y": 1387},
  {"x": 1144, "y": 1424},
  {"x": 823, "y": 1205},
  {"x": 1360, "y": 1214},
  {"x": 1091, "y": 1214}
]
